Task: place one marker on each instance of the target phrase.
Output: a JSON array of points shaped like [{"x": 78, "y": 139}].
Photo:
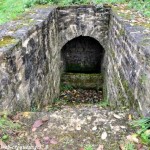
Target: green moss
[
  {"x": 7, "y": 40},
  {"x": 122, "y": 32},
  {"x": 81, "y": 80},
  {"x": 143, "y": 79}
]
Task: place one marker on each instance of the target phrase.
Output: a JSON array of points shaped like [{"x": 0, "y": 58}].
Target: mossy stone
[{"x": 7, "y": 40}]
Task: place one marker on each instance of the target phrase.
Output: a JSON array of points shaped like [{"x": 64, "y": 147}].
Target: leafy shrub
[{"x": 144, "y": 131}]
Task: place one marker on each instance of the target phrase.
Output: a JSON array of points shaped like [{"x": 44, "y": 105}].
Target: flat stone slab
[
  {"x": 74, "y": 128},
  {"x": 83, "y": 80}
]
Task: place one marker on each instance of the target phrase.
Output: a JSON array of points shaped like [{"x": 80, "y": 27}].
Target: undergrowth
[
  {"x": 7, "y": 125},
  {"x": 144, "y": 129},
  {"x": 10, "y": 9}
]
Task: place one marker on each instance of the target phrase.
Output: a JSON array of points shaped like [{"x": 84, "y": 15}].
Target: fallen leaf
[
  {"x": 81, "y": 148},
  {"x": 38, "y": 143},
  {"x": 17, "y": 116},
  {"x": 139, "y": 147},
  {"x": 121, "y": 147},
  {"x": 34, "y": 129},
  {"x": 26, "y": 114},
  {"x": 130, "y": 117},
  {"x": 53, "y": 141},
  {"x": 46, "y": 139},
  {"x": 133, "y": 138},
  {"x": 37, "y": 124},
  {"x": 3, "y": 145},
  {"x": 101, "y": 147},
  {"x": 104, "y": 135}
]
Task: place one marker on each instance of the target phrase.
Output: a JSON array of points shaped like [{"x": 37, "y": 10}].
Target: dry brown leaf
[
  {"x": 121, "y": 147},
  {"x": 3, "y": 145},
  {"x": 53, "y": 141},
  {"x": 130, "y": 117},
  {"x": 38, "y": 143},
  {"x": 26, "y": 114},
  {"x": 34, "y": 129},
  {"x": 81, "y": 148},
  {"x": 37, "y": 123},
  {"x": 101, "y": 147},
  {"x": 46, "y": 139},
  {"x": 139, "y": 147},
  {"x": 133, "y": 138}
]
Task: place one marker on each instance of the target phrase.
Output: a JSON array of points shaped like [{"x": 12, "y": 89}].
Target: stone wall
[
  {"x": 30, "y": 50},
  {"x": 29, "y": 68},
  {"x": 128, "y": 70}
]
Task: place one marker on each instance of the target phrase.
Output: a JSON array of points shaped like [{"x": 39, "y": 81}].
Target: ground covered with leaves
[{"x": 89, "y": 125}]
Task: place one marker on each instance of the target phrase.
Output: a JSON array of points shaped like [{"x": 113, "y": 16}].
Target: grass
[
  {"x": 144, "y": 129},
  {"x": 64, "y": 87},
  {"x": 10, "y": 9},
  {"x": 88, "y": 147},
  {"x": 7, "y": 125},
  {"x": 129, "y": 146}
]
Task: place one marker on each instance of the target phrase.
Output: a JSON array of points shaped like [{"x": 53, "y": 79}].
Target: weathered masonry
[{"x": 35, "y": 50}]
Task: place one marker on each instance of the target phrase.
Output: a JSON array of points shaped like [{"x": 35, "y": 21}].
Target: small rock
[
  {"x": 122, "y": 127},
  {"x": 101, "y": 147},
  {"x": 45, "y": 129},
  {"x": 104, "y": 135},
  {"x": 89, "y": 118},
  {"x": 116, "y": 128},
  {"x": 117, "y": 116},
  {"x": 94, "y": 128},
  {"x": 45, "y": 118},
  {"x": 78, "y": 127}
]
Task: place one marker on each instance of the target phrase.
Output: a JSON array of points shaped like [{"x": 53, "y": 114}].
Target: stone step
[{"x": 83, "y": 81}]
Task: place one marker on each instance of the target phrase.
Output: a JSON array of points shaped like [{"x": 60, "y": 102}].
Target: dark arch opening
[{"x": 83, "y": 54}]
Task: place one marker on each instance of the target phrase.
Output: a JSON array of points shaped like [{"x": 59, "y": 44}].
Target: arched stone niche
[{"x": 82, "y": 54}]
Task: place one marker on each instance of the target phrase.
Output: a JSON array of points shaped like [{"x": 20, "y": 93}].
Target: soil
[{"x": 80, "y": 126}]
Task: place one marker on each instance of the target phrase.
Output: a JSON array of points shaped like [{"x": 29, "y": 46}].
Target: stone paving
[{"x": 75, "y": 128}]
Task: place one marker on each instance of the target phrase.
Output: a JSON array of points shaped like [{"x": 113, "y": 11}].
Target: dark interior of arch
[{"x": 82, "y": 55}]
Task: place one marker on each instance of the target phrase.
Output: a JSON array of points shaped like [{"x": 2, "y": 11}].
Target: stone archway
[
  {"x": 82, "y": 62},
  {"x": 82, "y": 54}
]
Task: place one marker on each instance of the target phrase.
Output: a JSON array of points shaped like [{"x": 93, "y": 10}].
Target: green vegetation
[
  {"x": 65, "y": 87},
  {"x": 104, "y": 103},
  {"x": 144, "y": 129},
  {"x": 143, "y": 6},
  {"x": 7, "y": 125},
  {"x": 130, "y": 146},
  {"x": 88, "y": 147},
  {"x": 10, "y": 9}
]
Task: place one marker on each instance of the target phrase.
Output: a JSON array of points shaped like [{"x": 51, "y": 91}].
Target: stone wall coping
[
  {"x": 137, "y": 34},
  {"x": 21, "y": 28}
]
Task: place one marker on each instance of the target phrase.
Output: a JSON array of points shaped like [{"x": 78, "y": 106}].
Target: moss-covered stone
[
  {"x": 82, "y": 80},
  {"x": 7, "y": 40}
]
